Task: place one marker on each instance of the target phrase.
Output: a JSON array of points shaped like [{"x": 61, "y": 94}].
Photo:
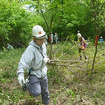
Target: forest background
[{"x": 65, "y": 17}]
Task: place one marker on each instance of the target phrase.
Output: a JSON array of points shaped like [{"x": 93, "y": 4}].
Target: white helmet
[
  {"x": 79, "y": 35},
  {"x": 37, "y": 31}
]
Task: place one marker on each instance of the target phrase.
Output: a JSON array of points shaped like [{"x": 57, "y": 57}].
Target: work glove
[
  {"x": 46, "y": 60},
  {"x": 21, "y": 78}
]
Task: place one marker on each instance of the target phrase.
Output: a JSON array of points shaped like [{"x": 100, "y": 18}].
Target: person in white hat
[
  {"x": 52, "y": 37},
  {"x": 101, "y": 40},
  {"x": 46, "y": 38},
  {"x": 34, "y": 59},
  {"x": 82, "y": 46},
  {"x": 56, "y": 38},
  {"x": 9, "y": 47}
]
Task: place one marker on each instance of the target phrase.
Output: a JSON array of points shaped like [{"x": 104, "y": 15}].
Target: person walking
[
  {"x": 34, "y": 59},
  {"x": 82, "y": 46},
  {"x": 56, "y": 38}
]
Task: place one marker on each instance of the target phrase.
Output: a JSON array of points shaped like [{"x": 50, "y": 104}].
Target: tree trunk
[{"x": 95, "y": 15}]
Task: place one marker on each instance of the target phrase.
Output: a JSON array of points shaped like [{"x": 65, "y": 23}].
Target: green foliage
[
  {"x": 16, "y": 23},
  {"x": 61, "y": 16},
  {"x": 70, "y": 93}
]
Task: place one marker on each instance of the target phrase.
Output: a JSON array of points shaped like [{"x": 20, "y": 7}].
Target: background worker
[
  {"x": 49, "y": 38},
  {"x": 101, "y": 40},
  {"x": 9, "y": 47},
  {"x": 82, "y": 46},
  {"x": 46, "y": 38},
  {"x": 34, "y": 59},
  {"x": 52, "y": 38},
  {"x": 56, "y": 38}
]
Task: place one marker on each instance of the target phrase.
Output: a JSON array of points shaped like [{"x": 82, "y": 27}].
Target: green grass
[{"x": 75, "y": 85}]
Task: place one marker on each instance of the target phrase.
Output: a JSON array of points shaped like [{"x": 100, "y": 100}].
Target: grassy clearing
[{"x": 67, "y": 85}]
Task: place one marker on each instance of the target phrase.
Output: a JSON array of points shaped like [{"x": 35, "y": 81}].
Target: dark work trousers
[
  {"x": 37, "y": 86},
  {"x": 80, "y": 50}
]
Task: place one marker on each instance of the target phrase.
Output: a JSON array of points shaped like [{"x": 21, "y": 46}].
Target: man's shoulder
[
  {"x": 83, "y": 38},
  {"x": 31, "y": 47}
]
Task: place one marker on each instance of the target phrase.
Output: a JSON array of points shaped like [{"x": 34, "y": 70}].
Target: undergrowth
[{"x": 74, "y": 84}]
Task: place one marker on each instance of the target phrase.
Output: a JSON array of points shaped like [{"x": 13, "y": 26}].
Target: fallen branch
[
  {"x": 66, "y": 52},
  {"x": 62, "y": 65},
  {"x": 64, "y": 43},
  {"x": 60, "y": 60},
  {"x": 69, "y": 70},
  {"x": 76, "y": 61},
  {"x": 64, "y": 61}
]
